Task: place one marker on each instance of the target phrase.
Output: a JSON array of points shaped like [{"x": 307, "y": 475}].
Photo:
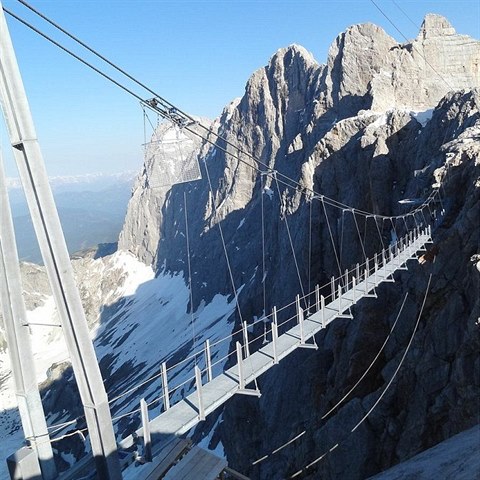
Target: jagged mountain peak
[{"x": 435, "y": 25}]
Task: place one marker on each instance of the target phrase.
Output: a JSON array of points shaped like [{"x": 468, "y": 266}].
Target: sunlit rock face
[{"x": 379, "y": 123}]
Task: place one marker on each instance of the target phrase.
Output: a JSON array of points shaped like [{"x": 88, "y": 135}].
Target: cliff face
[{"x": 350, "y": 129}]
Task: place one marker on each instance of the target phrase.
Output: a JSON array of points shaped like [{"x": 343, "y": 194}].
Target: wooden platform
[{"x": 197, "y": 464}]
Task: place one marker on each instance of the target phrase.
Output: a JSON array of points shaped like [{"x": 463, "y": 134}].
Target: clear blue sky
[{"x": 196, "y": 53}]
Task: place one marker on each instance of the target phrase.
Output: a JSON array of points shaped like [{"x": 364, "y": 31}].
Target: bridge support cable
[
  {"x": 189, "y": 264},
  {"x": 379, "y": 232},
  {"x": 169, "y": 111},
  {"x": 264, "y": 272},
  {"x": 342, "y": 400},
  {"x": 222, "y": 238},
  {"x": 331, "y": 239},
  {"x": 382, "y": 394},
  {"x": 285, "y": 219},
  {"x": 358, "y": 232}
]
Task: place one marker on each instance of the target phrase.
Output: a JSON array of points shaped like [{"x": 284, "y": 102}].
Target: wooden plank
[{"x": 165, "y": 458}]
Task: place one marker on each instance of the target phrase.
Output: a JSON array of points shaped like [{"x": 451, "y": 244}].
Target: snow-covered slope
[
  {"x": 137, "y": 320},
  {"x": 457, "y": 458}
]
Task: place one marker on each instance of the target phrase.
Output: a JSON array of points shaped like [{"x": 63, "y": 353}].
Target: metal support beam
[
  {"x": 274, "y": 335},
  {"x": 317, "y": 298},
  {"x": 166, "y": 393},
  {"x": 14, "y": 315},
  {"x": 198, "y": 383},
  {"x": 245, "y": 340},
  {"x": 322, "y": 303},
  {"x": 147, "y": 441},
  {"x": 33, "y": 176},
  {"x": 303, "y": 343},
  {"x": 208, "y": 360},
  {"x": 241, "y": 375}
]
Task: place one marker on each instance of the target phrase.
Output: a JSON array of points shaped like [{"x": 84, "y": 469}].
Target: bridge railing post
[
  {"x": 241, "y": 381},
  {"x": 166, "y": 394},
  {"x": 317, "y": 298},
  {"x": 298, "y": 308},
  {"x": 339, "y": 299},
  {"x": 357, "y": 271},
  {"x": 198, "y": 382},
  {"x": 245, "y": 340},
  {"x": 354, "y": 285},
  {"x": 147, "y": 440},
  {"x": 274, "y": 335},
  {"x": 332, "y": 288},
  {"x": 208, "y": 360},
  {"x": 322, "y": 306},
  {"x": 375, "y": 266},
  {"x": 367, "y": 274},
  {"x": 300, "y": 324},
  {"x": 346, "y": 279}
]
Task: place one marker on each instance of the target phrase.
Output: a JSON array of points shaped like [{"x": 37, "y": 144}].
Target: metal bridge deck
[{"x": 184, "y": 415}]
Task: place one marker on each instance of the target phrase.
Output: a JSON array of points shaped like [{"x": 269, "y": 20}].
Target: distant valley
[{"x": 91, "y": 208}]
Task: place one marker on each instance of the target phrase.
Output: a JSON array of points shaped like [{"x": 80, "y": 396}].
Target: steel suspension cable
[
  {"x": 189, "y": 273},
  {"x": 372, "y": 363},
  {"x": 359, "y": 235},
  {"x": 318, "y": 459},
  {"x": 172, "y": 113},
  {"x": 264, "y": 278},
  {"x": 331, "y": 239},
  {"x": 220, "y": 229},
  {"x": 290, "y": 239}
]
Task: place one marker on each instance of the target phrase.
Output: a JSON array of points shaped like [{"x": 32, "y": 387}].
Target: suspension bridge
[{"x": 283, "y": 333}]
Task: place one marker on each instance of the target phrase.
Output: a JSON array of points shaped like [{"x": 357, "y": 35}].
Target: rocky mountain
[{"x": 374, "y": 128}]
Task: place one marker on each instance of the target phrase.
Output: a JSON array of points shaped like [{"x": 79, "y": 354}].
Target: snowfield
[{"x": 142, "y": 321}]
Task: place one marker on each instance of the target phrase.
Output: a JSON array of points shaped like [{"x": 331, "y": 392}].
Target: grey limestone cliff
[{"x": 346, "y": 129}]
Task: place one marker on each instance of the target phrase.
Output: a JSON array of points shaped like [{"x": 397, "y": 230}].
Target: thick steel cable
[
  {"x": 372, "y": 363},
  {"x": 406, "y": 15},
  {"x": 220, "y": 229},
  {"x": 311, "y": 464},
  {"x": 194, "y": 346},
  {"x": 331, "y": 238},
  {"x": 168, "y": 115},
  {"x": 290, "y": 237}
]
